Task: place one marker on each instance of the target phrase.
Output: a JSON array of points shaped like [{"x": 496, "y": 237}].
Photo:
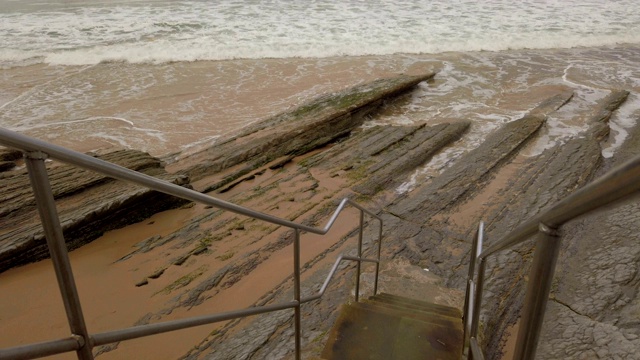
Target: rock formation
[{"x": 300, "y": 164}]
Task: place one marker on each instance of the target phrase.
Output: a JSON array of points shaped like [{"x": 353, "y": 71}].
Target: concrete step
[
  {"x": 430, "y": 317},
  {"x": 417, "y": 305},
  {"x": 381, "y": 331}
]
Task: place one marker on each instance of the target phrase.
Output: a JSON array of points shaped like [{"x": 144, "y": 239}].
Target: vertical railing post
[
  {"x": 477, "y": 303},
  {"x": 358, "y": 266},
  {"x": 58, "y": 249},
  {"x": 296, "y": 290},
  {"x": 537, "y": 295},
  {"x": 467, "y": 319},
  {"x": 375, "y": 283},
  {"x": 476, "y": 249}
]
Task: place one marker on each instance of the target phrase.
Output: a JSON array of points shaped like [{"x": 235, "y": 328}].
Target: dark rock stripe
[
  {"x": 545, "y": 179},
  {"x": 388, "y": 171}
]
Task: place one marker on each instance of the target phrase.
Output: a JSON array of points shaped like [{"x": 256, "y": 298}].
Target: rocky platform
[
  {"x": 300, "y": 164},
  {"x": 432, "y": 225}
]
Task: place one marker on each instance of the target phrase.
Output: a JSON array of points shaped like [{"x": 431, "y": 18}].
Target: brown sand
[{"x": 106, "y": 292}]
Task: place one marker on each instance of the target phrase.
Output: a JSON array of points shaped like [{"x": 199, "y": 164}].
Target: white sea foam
[
  {"x": 623, "y": 119},
  {"x": 116, "y": 140},
  {"x": 91, "y": 32},
  {"x": 194, "y": 147}
]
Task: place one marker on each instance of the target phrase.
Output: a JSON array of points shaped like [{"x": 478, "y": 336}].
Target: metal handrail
[
  {"x": 42, "y": 349},
  {"x": 476, "y": 248},
  {"x": 36, "y": 151},
  {"x": 612, "y": 188},
  {"x": 152, "y": 329},
  {"x": 135, "y": 332},
  {"x": 329, "y": 277}
]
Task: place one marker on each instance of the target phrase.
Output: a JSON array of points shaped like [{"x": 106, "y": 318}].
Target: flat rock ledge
[{"x": 311, "y": 126}]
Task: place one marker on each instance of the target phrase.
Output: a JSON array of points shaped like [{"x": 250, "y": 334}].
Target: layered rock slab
[
  {"x": 544, "y": 180},
  {"x": 286, "y": 179},
  {"x": 472, "y": 170},
  {"x": 88, "y": 205},
  {"x": 336, "y": 169},
  {"x": 523, "y": 188},
  {"x": 331, "y": 174},
  {"x": 297, "y": 132}
]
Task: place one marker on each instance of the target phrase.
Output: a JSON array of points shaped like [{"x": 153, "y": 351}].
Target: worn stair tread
[
  {"x": 422, "y": 306},
  {"x": 428, "y": 317},
  {"x": 363, "y": 334},
  {"x": 409, "y": 301},
  {"x": 432, "y": 316},
  {"x": 417, "y": 304}
]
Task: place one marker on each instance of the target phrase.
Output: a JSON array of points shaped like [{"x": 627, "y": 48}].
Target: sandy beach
[{"x": 176, "y": 109}]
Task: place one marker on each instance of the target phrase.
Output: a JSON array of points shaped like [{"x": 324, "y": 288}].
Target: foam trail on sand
[{"x": 626, "y": 117}]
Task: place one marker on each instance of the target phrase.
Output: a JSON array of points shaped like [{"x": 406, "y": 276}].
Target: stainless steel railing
[
  {"x": 81, "y": 341},
  {"x": 612, "y": 188}
]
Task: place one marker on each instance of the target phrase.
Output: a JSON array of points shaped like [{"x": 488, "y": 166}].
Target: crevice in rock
[{"x": 555, "y": 299}]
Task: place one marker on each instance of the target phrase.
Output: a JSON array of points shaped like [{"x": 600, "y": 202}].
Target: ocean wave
[
  {"x": 160, "y": 32},
  {"x": 166, "y": 52}
]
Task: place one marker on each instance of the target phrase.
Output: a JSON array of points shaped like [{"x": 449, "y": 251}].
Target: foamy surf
[{"x": 92, "y": 32}]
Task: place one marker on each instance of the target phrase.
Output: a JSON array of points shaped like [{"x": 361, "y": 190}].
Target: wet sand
[
  {"x": 106, "y": 292},
  {"x": 110, "y": 299}
]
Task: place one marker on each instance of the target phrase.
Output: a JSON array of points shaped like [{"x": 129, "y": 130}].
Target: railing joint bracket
[
  {"x": 548, "y": 230},
  {"x": 79, "y": 339},
  {"x": 36, "y": 155}
]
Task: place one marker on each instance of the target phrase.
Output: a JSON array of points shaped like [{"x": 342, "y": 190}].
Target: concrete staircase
[{"x": 389, "y": 327}]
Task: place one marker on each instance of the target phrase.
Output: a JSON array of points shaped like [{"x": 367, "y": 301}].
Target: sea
[{"x": 172, "y": 77}]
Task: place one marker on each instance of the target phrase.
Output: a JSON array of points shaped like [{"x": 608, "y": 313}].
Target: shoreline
[
  {"x": 447, "y": 53},
  {"x": 171, "y": 107}
]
